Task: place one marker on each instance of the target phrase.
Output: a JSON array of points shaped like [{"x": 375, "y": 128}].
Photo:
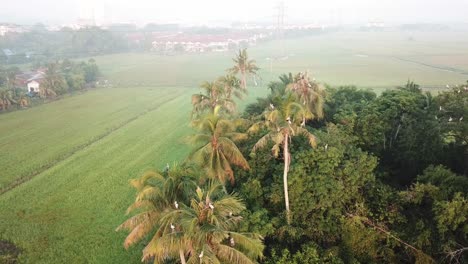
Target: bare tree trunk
[
  {"x": 285, "y": 176},
  {"x": 182, "y": 256}
]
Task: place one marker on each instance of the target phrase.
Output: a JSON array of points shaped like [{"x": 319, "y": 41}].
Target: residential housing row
[{"x": 205, "y": 43}]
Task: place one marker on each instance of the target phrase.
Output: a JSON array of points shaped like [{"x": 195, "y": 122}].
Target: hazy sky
[{"x": 208, "y": 11}]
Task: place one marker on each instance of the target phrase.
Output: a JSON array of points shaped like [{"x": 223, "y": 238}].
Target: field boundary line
[
  {"x": 442, "y": 68},
  {"x": 78, "y": 148}
]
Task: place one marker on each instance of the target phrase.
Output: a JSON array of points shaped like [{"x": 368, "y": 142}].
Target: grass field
[
  {"x": 69, "y": 212},
  {"x": 37, "y": 138},
  {"x": 77, "y": 154},
  {"x": 367, "y": 59}
]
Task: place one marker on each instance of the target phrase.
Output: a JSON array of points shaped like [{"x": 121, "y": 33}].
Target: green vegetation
[
  {"x": 383, "y": 185},
  {"x": 376, "y": 60},
  {"x": 67, "y": 126},
  {"x": 80, "y": 201}
]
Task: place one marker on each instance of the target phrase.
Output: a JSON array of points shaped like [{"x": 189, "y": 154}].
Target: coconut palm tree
[
  {"x": 214, "y": 95},
  {"x": 203, "y": 231},
  {"x": 232, "y": 86},
  {"x": 21, "y": 98},
  {"x": 215, "y": 147},
  {"x": 54, "y": 83},
  {"x": 282, "y": 123},
  {"x": 309, "y": 93},
  {"x": 244, "y": 67},
  {"x": 6, "y": 99},
  {"x": 157, "y": 194},
  {"x": 188, "y": 222}
]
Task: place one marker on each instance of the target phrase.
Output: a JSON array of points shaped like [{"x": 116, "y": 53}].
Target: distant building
[
  {"x": 197, "y": 43},
  {"x": 33, "y": 86},
  {"x": 11, "y": 28},
  {"x": 31, "y": 80}
]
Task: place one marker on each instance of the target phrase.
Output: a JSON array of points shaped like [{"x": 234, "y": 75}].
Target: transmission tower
[{"x": 280, "y": 26}]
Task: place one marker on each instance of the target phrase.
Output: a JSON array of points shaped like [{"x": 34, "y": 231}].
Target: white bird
[
  {"x": 461, "y": 118},
  {"x": 167, "y": 167},
  {"x": 289, "y": 120},
  {"x": 326, "y": 146},
  {"x": 172, "y": 227},
  {"x": 176, "y": 205},
  {"x": 201, "y": 255},
  {"x": 232, "y": 242},
  {"x": 230, "y": 213},
  {"x": 211, "y": 206},
  {"x": 448, "y": 86},
  {"x": 436, "y": 118},
  {"x": 450, "y": 119},
  {"x": 440, "y": 108},
  {"x": 272, "y": 106},
  {"x": 458, "y": 91}
]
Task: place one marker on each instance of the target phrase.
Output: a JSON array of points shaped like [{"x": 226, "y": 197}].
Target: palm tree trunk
[
  {"x": 182, "y": 256},
  {"x": 285, "y": 176},
  {"x": 244, "y": 81}
]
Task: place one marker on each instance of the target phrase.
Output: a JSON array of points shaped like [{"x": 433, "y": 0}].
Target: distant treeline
[{"x": 42, "y": 45}]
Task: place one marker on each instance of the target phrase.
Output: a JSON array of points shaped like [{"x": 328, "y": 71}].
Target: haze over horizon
[{"x": 210, "y": 12}]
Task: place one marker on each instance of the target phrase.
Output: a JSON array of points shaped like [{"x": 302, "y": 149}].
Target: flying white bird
[
  {"x": 201, "y": 255},
  {"x": 211, "y": 206},
  {"x": 450, "y": 119},
  {"x": 176, "y": 205}
]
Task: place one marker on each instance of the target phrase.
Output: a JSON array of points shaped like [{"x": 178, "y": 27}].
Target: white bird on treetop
[
  {"x": 201, "y": 255},
  {"x": 326, "y": 146},
  {"x": 211, "y": 206},
  {"x": 176, "y": 205},
  {"x": 450, "y": 119},
  {"x": 272, "y": 106},
  {"x": 440, "y": 108},
  {"x": 461, "y": 118},
  {"x": 172, "y": 227}
]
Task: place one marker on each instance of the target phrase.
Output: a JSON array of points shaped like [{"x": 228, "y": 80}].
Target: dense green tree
[{"x": 400, "y": 128}]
